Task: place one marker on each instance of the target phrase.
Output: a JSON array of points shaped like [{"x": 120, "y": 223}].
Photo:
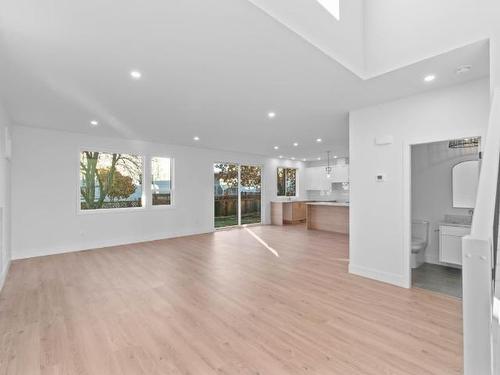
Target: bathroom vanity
[{"x": 450, "y": 242}]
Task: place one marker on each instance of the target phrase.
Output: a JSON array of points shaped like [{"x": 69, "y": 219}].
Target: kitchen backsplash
[{"x": 339, "y": 192}]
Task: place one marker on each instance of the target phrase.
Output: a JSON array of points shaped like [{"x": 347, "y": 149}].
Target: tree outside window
[
  {"x": 110, "y": 180},
  {"x": 287, "y": 182}
]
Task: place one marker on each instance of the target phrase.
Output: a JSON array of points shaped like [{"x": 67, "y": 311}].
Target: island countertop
[{"x": 333, "y": 204}]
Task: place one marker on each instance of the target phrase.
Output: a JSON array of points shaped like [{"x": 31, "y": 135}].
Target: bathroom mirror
[{"x": 465, "y": 177}]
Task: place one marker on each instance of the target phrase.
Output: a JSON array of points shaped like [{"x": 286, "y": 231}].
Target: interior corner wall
[
  {"x": 5, "y": 209},
  {"x": 399, "y": 33},
  {"x": 45, "y": 193},
  {"x": 379, "y": 248}
]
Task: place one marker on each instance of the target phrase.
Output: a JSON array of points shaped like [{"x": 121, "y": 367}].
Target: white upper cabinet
[
  {"x": 340, "y": 173},
  {"x": 316, "y": 177}
]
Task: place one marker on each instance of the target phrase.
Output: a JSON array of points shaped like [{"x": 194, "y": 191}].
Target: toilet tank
[{"x": 420, "y": 229}]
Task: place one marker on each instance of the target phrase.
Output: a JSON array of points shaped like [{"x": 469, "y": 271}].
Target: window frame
[
  {"x": 144, "y": 199},
  {"x": 172, "y": 183},
  {"x": 296, "y": 182}
]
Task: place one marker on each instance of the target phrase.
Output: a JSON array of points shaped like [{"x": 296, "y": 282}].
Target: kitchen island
[
  {"x": 328, "y": 216},
  {"x": 288, "y": 212}
]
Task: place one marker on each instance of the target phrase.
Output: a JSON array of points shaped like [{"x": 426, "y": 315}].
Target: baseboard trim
[
  {"x": 102, "y": 244},
  {"x": 385, "y": 277}
]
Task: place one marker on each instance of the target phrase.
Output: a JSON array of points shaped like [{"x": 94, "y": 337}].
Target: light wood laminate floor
[{"x": 221, "y": 303}]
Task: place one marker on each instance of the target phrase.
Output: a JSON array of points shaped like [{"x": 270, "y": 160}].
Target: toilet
[{"x": 419, "y": 241}]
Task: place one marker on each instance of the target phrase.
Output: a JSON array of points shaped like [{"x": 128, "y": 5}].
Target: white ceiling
[{"x": 211, "y": 68}]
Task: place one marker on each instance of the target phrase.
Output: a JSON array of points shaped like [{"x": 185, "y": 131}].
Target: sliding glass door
[
  {"x": 226, "y": 188},
  {"x": 237, "y": 194},
  {"x": 250, "y": 193}
]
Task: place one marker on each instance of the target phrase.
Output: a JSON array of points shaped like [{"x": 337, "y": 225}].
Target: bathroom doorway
[{"x": 444, "y": 178}]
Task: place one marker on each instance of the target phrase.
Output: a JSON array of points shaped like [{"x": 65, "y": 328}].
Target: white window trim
[
  {"x": 172, "y": 183},
  {"x": 144, "y": 199}
]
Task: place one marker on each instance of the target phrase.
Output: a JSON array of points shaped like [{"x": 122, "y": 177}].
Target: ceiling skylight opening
[{"x": 332, "y": 6}]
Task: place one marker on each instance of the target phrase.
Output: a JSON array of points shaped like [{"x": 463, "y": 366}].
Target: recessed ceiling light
[
  {"x": 295, "y": 144},
  {"x": 94, "y": 123},
  {"x": 429, "y": 78},
  {"x": 135, "y": 74},
  {"x": 196, "y": 138},
  {"x": 281, "y": 156},
  {"x": 463, "y": 69},
  {"x": 319, "y": 140},
  {"x": 293, "y": 158},
  {"x": 276, "y": 147},
  {"x": 304, "y": 159},
  {"x": 319, "y": 158},
  {"x": 271, "y": 115},
  {"x": 335, "y": 157}
]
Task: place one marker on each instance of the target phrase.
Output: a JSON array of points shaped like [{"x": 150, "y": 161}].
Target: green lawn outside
[{"x": 226, "y": 221}]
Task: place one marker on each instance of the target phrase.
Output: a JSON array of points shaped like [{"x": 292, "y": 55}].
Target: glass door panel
[
  {"x": 226, "y": 189},
  {"x": 250, "y": 193}
]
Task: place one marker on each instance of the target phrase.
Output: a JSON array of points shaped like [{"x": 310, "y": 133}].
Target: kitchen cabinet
[
  {"x": 340, "y": 173},
  {"x": 292, "y": 212},
  {"x": 315, "y": 177},
  {"x": 450, "y": 243}
]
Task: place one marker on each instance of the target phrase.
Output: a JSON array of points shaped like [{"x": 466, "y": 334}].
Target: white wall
[
  {"x": 4, "y": 201},
  {"x": 431, "y": 183},
  {"x": 45, "y": 186},
  {"x": 380, "y": 211},
  {"x": 398, "y": 33},
  {"x": 340, "y": 39}
]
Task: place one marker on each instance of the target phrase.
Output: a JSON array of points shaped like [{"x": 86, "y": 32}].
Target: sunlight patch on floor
[{"x": 264, "y": 243}]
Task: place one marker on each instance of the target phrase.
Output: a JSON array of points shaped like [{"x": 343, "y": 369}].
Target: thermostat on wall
[{"x": 381, "y": 177}]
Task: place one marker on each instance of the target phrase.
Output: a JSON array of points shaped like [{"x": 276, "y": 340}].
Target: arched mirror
[{"x": 465, "y": 178}]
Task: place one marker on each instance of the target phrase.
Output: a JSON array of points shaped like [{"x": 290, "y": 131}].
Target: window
[
  {"x": 287, "y": 182},
  {"x": 161, "y": 181},
  {"x": 110, "y": 180},
  {"x": 332, "y": 6}
]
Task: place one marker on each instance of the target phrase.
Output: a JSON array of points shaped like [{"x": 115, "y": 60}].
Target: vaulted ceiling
[{"x": 211, "y": 68}]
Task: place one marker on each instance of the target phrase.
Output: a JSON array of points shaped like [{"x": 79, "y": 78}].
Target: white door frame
[{"x": 407, "y": 194}]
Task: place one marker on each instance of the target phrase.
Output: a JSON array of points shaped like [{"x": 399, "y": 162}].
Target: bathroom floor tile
[{"x": 441, "y": 279}]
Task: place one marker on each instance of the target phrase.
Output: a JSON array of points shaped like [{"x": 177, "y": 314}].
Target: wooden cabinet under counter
[
  {"x": 288, "y": 212},
  {"x": 332, "y": 217}
]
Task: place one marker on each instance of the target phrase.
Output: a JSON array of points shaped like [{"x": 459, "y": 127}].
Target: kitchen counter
[
  {"x": 294, "y": 201},
  {"x": 328, "y": 216},
  {"x": 334, "y": 204}
]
